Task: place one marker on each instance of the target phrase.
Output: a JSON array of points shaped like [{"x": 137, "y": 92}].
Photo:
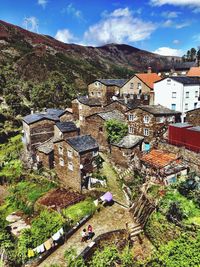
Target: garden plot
[{"x": 60, "y": 198}]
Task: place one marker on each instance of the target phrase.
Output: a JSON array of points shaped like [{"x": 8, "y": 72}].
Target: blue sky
[{"x": 168, "y": 27}]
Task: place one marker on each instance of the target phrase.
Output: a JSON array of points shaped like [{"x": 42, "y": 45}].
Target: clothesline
[{"x": 47, "y": 244}]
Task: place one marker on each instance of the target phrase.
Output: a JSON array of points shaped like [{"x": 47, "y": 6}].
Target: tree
[
  {"x": 105, "y": 257},
  {"x": 72, "y": 260},
  {"x": 116, "y": 130}
]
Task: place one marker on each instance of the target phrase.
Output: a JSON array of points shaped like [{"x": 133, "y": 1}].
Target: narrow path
[
  {"x": 113, "y": 181},
  {"x": 108, "y": 219}
]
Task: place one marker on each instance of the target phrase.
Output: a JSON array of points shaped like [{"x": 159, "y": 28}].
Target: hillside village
[{"x": 123, "y": 157}]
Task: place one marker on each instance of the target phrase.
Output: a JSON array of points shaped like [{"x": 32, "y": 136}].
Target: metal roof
[
  {"x": 196, "y": 129},
  {"x": 83, "y": 143},
  {"x": 67, "y": 126}
]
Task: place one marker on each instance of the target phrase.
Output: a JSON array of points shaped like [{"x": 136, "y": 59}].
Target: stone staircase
[
  {"x": 123, "y": 174},
  {"x": 134, "y": 230}
]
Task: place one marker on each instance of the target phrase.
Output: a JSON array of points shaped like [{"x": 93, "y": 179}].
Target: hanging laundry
[
  {"x": 31, "y": 253},
  {"x": 56, "y": 236},
  {"x": 41, "y": 248},
  {"x": 61, "y": 231},
  {"x": 48, "y": 244}
]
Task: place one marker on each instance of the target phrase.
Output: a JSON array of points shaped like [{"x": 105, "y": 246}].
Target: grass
[
  {"x": 191, "y": 211},
  {"x": 79, "y": 210}
]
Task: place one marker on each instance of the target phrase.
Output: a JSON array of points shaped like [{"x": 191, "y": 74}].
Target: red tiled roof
[
  {"x": 194, "y": 71},
  {"x": 149, "y": 78},
  {"x": 159, "y": 158}
]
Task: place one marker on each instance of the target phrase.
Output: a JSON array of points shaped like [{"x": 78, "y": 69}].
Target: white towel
[
  {"x": 56, "y": 236},
  {"x": 61, "y": 231}
]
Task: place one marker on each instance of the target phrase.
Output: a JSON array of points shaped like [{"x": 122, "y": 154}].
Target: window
[
  {"x": 97, "y": 84},
  {"x": 131, "y": 129},
  {"x": 81, "y": 118},
  {"x": 95, "y": 153},
  {"x": 139, "y": 86},
  {"x": 38, "y": 158},
  {"x": 100, "y": 129},
  {"x": 146, "y": 119},
  {"x": 70, "y": 166},
  {"x": 60, "y": 150},
  {"x": 186, "y": 106},
  {"x": 195, "y": 105},
  {"x": 131, "y": 117},
  {"x": 99, "y": 94},
  {"x": 196, "y": 94},
  {"x": 138, "y": 96},
  {"x": 131, "y": 85},
  {"x": 145, "y": 97},
  {"x": 187, "y": 94},
  {"x": 173, "y": 106},
  {"x": 173, "y": 94},
  {"x": 146, "y": 132},
  {"x": 168, "y": 80},
  {"x": 61, "y": 162},
  {"x": 92, "y": 93},
  {"x": 69, "y": 153}
]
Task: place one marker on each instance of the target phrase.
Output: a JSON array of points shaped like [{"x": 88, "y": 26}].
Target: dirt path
[{"x": 108, "y": 219}]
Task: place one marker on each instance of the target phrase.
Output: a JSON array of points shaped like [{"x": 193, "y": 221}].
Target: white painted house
[{"x": 178, "y": 93}]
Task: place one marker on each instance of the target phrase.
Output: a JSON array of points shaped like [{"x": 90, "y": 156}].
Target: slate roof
[
  {"x": 116, "y": 82},
  {"x": 92, "y": 102},
  {"x": 55, "y": 112},
  {"x": 46, "y": 147},
  {"x": 83, "y": 143},
  {"x": 32, "y": 118},
  {"x": 194, "y": 71},
  {"x": 158, "y": 110},
  {"x": 129, "y": 141},
  {"x": 159, "y": 158},
  {"x": 131, "y": 103},
  {"x": 67, "y": 126},
  {"x": 109, "y": 115},
  {"x": 178, "y": 66},
  {"x": 148, "y": 78},
  {"x": 185, "y": 80}
]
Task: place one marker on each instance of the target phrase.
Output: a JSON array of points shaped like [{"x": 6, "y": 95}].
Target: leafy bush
[
  {"x": 79, "y": 210},
  {"x": 116, "y": 130},
  {"x": 42, "y": 228}
]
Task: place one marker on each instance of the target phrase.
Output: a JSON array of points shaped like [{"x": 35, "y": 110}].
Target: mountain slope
[{"x": 32, "y": 57}]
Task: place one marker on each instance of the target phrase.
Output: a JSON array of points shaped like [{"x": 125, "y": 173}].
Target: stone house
[
  {"x": 140, "y": 86},
  {"x": 84, "y": 106},
  {"x": 63, "y": 115},
  {"x": 45, "y": 151},
  {"x": 176, "y": 68},
  {"x": 151, "y": 122},
  {"x": 162, "y": 166},
  {"x": 193, "y": 117},
  {"x": 65, "y": 129},
  {"x": 37, "y": 128},
  {"x": 95, "y": 126},
  {"x": 124, "y": 152},
  {"x": 105, "y": 89},
  {"x": 75, "y": 160}
]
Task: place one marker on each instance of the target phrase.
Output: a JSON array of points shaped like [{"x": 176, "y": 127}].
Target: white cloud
[
  {"x": 176, "y": 42},
  {"x": 42, "y": 3},
  {"x": 120, "y": 26},
  {"x": 65, "y": 36},
  {"x": 182, "y": 25},
  {"x": 168, "y": 23},
  {"x": 31, "y": 24},
  {"x": 167, "y": 51},
  {"x": 171, "y": 14},
  {"x": 192, "y": 3},
  {"x": 71, "y": 10}
]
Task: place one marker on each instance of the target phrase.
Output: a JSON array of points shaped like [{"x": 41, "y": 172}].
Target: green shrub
[
  {"x": 79, "y": 210},
  {"x": 116, "y": 130}
]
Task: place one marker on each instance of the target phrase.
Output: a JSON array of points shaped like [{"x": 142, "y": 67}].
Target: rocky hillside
[{"x": 34, "y": 59}]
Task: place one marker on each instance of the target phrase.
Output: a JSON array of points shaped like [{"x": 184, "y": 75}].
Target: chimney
[
  {"x": 149, "y": 70},
  {"x": 32, "y": 110},
  {"x": 125, "y": 99}
]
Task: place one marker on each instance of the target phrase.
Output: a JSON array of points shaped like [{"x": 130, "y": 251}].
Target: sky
[{"x": 166, "y": 27}]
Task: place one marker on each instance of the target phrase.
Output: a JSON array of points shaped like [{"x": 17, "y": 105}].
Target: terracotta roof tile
[
  {"x": 148, "y": 78},
  {"x": 194, "y": 72},
  {"x": 159, "y": 158}
]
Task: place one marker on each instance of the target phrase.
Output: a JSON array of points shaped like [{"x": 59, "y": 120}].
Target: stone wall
[
  {"x": 193, "y": 117},
  {"x": 66, "y": 117},
  {"x": 46, "y": 160},
  {"x": 59, "y": 134},
  {"x": 95, "y": 126},
  {"x": 191, "y": 158},
  {"x": 116, "y": 106}
]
